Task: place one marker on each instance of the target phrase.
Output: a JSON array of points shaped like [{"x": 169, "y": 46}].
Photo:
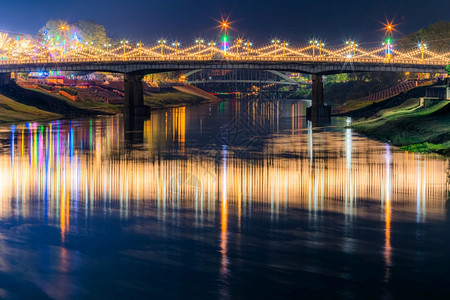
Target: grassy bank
[
  {"x": 26, "y": 104},
  {"x": 12, "y": 111},
  {"x": 54, "y": 103},
  {"x": 405, "y": 123},
  {"x": 170, "y": 98}
]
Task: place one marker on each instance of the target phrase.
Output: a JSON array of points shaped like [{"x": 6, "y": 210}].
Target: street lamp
[
  {"x": 89, "y": 44},
  {"x": 64, "y": 28},
  {"x": 353, "y": 45},
  {"x": 284, "y": 47},
  {"x": 161, "y": 43},
  {"x": 248, "y": 45},
  {"x": 313, "y": 44},
  {"x": 238, "y": 44},
  {"x": 211, "y": 45},
  {"x": 422, "y": 47},
  {"x": 140, "y": 49},
  {"x": 199, "y": 42},
  {"x": 124, "y": 43},
  {"x": 176, "y": 45},
  {"x": 107, "y": 45}
]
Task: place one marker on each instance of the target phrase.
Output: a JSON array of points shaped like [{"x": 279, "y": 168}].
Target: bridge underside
[{"x": 148, "y": 67}]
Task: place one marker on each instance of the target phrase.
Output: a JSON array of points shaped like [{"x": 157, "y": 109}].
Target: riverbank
[
  {"x": 405, "y": 122},
  {"x": 19, "y": 104},
  {"x": 177, "y": 96}
]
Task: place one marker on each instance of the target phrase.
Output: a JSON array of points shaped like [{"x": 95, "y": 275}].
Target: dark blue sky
[{"x": 261, "y": 20}]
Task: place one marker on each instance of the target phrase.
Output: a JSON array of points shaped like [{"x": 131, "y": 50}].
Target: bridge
[
  {"x": 241, "y": 80},
  {"x": 135, "y": 61}
]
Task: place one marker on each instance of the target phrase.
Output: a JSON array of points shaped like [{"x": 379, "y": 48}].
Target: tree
[
  {"x": 92, "y": 32},
  {"x": 74, "y": 34},
  {"x": 436, "y": 36}
]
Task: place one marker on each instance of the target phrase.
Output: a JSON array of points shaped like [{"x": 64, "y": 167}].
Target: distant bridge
[{"x": 241, "y": 80}]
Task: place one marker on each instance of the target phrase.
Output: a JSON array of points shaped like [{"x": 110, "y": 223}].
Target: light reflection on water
[{"x": 254, "y": 171}]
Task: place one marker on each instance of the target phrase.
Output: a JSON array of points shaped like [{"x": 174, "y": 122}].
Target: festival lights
[{"x": 17, "y": 49}]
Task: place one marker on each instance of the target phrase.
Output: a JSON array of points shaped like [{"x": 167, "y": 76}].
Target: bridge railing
[{"x": 222, "y": 60}]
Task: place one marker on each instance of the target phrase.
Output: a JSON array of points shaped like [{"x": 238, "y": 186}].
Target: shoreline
[
  {"x": 21, "y": 104},
  {"x": 407, "y": 122}
]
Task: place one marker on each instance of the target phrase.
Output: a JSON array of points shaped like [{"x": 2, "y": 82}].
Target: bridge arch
[{"x": 238, "y": 79}]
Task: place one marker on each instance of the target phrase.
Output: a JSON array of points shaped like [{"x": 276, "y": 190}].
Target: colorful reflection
[{"x": 62, "y": 171}]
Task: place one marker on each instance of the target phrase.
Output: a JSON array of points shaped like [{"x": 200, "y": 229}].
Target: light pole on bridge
[
  {"x": 140, "y": 50},
  {"x": 124, "y": 44},
  {"x": 248, "y": 45},
  {"x": 161, "y": 43},
  {"x": 422, "y": 47},
  {"x": 316, "y": 43},
  {"x": 176, "y": 45},
  {"x": 89, "y": 44},
  {"x": 199, "y": 42},
  {"x": 211, "y": 45},
  {"x": 238, "y": 44},
  {"x": 284, "y": 47},
  {"x": 276, "y": 42},
  {"x": 353, "y": 45},
  {"x": 107, "y": 45}
]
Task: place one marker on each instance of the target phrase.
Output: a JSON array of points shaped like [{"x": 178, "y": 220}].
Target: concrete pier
[
  {"x": 134, "y": 97},
  {"x": 318, "y": 111}
]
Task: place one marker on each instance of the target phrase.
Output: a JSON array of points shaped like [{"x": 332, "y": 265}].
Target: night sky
[{"x": 261, "y": 20}]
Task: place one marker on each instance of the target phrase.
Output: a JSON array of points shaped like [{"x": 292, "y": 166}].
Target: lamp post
[
  {"x": 248, "y": 44},
  {"x": 275, "y": 42},
  {"x": 176, "y": 45},
  {"x": 63, "y": 29},
  {"x": 161, "y": 43},
  {"x": 313, "y": 44},
  {"x": 89, "y": 44},
  {"x": 199, "y": 42},
  {"x": 388, "y": 28},
  {"x": 238, "y": 44},
  {"x": 225, "y": 26},
  {"x": 284, "y": 47},
  {"x": 107, "y": 45},
  {"x": 321, "y": 45},
  {"x": 124, "y": 43},
  {"x": 140, "y": 49},
  {"x": 211, "y": 45},
  {"x": 353, "y": 45},
  {"x": 422, "y": 47}
]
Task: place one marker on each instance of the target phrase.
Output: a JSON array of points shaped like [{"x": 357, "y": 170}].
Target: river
[{"x": 232, "y": 200}]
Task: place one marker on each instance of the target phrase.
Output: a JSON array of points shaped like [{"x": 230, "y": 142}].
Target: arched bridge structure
[
  {"x": 241, "y": 80},
  {"x": 135, "y": 61}
]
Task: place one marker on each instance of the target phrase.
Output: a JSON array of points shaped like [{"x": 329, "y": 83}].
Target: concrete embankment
[{"x": 407, "y": 122}]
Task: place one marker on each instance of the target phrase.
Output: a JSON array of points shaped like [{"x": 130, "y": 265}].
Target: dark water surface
[{"x": 237, "y": 200}]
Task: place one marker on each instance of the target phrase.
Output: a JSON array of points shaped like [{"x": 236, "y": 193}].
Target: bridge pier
[
  {"x": 134, "y": 97},
  {"x": 5, "y": 78},
  {"x": 318, "y": 112}
]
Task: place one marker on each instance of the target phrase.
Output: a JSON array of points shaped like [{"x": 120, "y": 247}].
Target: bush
[{"x": 69, "y": 91}]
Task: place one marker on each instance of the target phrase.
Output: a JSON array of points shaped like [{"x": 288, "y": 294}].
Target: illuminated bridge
[{"x": 135, "y": 61}]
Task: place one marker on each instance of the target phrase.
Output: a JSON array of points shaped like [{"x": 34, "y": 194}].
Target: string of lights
[{"x": 17, "y": 50}]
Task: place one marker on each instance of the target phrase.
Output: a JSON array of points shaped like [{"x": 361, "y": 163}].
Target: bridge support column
[
  {"x": 318, "y": 112},
  {"x": 5, "y": 78},
  {"x": 134, "y": 97}
]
